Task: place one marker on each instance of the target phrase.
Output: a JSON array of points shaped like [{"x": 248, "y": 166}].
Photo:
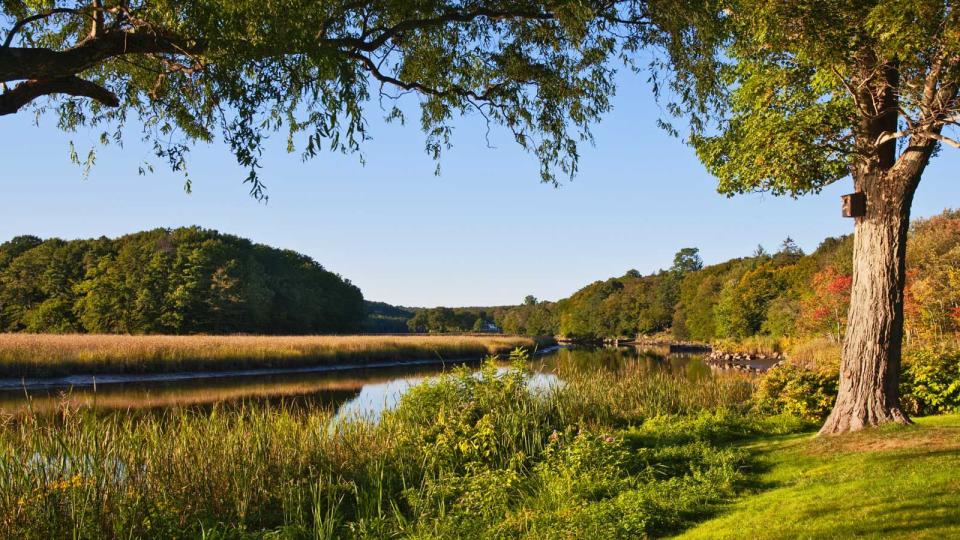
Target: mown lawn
[{"x": 894, "y": 482}]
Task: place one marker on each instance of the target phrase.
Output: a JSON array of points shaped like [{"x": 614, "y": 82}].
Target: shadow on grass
[{"x": 673, "y": 451}]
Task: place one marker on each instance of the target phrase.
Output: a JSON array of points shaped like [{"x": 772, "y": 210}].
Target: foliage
[
  {"x": 538, "y": 319},
  {"x": 932, "y": 297},
  {"x": 930, "y": 383},
  {"x": 174, "y": 281},
  {"x": 789, "y": 97},
  {"x": 785, "y": 295},
  {"x": 242, "y": 70},
  {"x": 382, "y": 318},
  {"x": 824, "y": 310},
  {"x": 797, "y": 391},
  {"x": 443, "y": 319}
]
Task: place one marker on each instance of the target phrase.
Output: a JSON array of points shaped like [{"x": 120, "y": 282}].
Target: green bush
[
  {"x": 798, "y": 391},
  {"x": 931, "y": 382}
]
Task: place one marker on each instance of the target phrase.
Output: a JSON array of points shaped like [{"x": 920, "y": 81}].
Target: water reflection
[{"x": 355, "y": 393}]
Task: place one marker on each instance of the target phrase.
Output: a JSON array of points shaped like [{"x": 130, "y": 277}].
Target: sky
[{"x": 484, "y": 232}]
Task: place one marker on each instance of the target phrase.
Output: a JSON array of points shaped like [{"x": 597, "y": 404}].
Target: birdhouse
[{"x": 854, "y": 205}]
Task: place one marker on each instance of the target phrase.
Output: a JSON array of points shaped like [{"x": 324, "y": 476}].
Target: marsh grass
[
  {"x": 467, "y": 455},
  {"x": 47, "y": 355}
]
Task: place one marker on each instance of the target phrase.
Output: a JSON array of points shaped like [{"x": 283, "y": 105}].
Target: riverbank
[
  {"x": 47, "y": 355},
  {"x": 619, "y": 453}
]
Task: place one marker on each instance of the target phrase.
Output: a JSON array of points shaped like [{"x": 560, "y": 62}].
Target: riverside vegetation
[
  {"x": 620, "y": 453},
  {"x": 45, "y": 355},
  {"x": 786, "y": 302},
  {"x": 613, "y": 451}
]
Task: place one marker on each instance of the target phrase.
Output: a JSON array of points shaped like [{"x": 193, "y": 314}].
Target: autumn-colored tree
[{"x": 824, "y": 310}]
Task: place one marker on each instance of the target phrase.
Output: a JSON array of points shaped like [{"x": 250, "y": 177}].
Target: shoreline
[
  {"x": 87, "y": 380},
  {"x": 42, "y": 356}
]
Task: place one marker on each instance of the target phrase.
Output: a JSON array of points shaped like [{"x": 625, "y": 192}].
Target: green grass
[{"x": 895, "y": 482}]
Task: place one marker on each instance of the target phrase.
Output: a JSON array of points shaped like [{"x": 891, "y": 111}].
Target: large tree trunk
[{"x": 870, "y": 365}]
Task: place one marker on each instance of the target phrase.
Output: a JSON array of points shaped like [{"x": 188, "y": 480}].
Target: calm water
[{"x": 364, "y": 392}]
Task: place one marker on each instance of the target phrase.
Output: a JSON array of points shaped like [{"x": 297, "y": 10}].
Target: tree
[
  {"x": 789, "y": 97},
  {"x": 245, "y": 68},
  {"x": 825, "y": 308},
  {"x": 789, "y": 247},
  {"x": 187, "y": 280},
  {"x": 687, "y": 260}
]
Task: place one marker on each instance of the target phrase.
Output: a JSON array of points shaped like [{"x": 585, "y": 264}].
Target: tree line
[
  {"x": 170, "y": 281},
  {"x": 786, "y": 293}
]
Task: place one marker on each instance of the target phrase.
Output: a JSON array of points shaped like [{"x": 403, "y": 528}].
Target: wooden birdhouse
[{"x": 854, "y": 205}]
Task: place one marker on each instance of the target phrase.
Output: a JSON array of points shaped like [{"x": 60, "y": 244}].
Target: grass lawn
[{"x": 893, "y": 482}]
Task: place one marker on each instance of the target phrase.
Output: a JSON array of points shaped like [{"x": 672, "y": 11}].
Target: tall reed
[{"x": 41, "y": 355}]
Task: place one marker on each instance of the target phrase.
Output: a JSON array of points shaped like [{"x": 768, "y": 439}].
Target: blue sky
[{"x": 485, "y": 232}]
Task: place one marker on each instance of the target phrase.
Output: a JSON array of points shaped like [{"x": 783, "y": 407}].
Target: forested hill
[
  {"x": 782, "y": 294},
  {"x": 179, "y": 281}
]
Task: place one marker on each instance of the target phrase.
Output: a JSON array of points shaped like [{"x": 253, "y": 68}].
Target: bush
[
  {"x": 798, "y": 391},
  {"x": 931, "y": 382}
]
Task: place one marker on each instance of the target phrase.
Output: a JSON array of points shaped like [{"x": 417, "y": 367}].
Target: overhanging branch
[
  {"x": 17, "y": 63},
  {"x": 14, "y": 99}
]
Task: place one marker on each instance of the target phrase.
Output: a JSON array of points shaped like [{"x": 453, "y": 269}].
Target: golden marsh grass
[{"x": 47, "y": 355}]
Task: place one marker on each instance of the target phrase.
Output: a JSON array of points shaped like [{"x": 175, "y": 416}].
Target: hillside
[
  {"x": 171, "y": 281},
  {"x": 785, "y": 294}
]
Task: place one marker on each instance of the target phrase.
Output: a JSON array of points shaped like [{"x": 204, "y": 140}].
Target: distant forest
[
  {"x": 782, "y": 293},
  {"x": 193, "y": 280},
  {"x": 179, "y": 281}
]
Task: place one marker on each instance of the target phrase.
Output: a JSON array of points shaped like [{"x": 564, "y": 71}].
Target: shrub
[
  {"x": 799, "y": 391},
  {"x": 931, "y": 382}
]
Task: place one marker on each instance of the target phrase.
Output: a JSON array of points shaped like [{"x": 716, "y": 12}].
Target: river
[{"x": 363, "y": 391}]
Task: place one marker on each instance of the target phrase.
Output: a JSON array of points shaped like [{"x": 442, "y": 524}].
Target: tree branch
[
  {"x": 23, "y": 22},
  {"x": 13, "y": 100},
  {"x": 945, "y": 140},
  {"x": 18, "y": 63},
  {"x": 371, "y": 67},
  {"x": 385, "y": 34}
]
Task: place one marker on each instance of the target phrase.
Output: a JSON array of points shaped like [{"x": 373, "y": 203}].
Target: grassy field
[
  {"x": 45, "y": 355},
  {"x": 896, "y": 482}
]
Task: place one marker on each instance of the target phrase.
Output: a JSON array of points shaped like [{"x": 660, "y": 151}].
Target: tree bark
[{"x": 870, "y": 365}]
